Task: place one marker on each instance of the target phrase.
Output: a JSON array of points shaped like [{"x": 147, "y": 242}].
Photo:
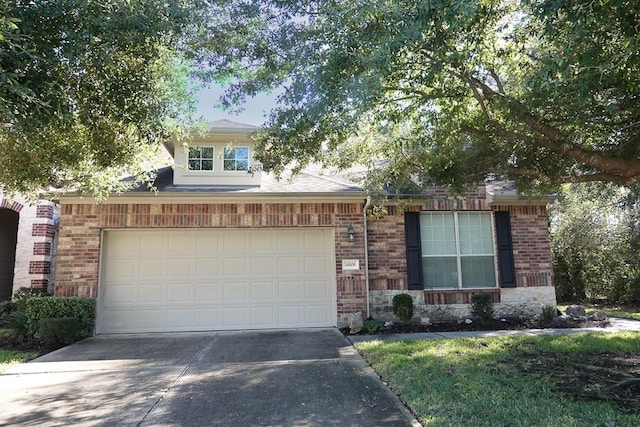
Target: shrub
[
  {"x": 482, "y": 306},
  {"x": 549, "y": 312},
  {"x": 37, "y": 309},
  {"x": 25, "y": 292},
  {"x": 403, "y": 307},
  {"x": 6, "y": 308},
  {"x": 59, "y": 331},
  {"x": 18, "y": 325},
  {"x": 372, "y": 325}
]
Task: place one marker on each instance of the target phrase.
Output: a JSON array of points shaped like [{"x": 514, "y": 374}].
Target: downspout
[{"x": 366, "y": 251}]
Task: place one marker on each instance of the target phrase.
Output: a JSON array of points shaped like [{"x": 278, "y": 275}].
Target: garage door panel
[
  {"x": 180, "y": 293},
  {"x": 262, "y": 242},
  {"x": 235, "y": 266},
  {"x": 316, "y": 314},
  {"x": 233, "y": 317},
  {"x": 289, "y": 265},
  {"x": 152, "y": 293},
  {"x": 261, "y": 291},
  {"x": 151, "y": 267},
  {"x": 120, "y": 269},
  {"x": 207, "y": 293},
  {"x": 265, "y": 316},
  {"x": 261, "y": 265},
  {"x": 208, "y": 279},
  {"x": 289, "y": 291},
  {"x": 179, "y": 318},
  {"x": 179, "y": 269},
  {"x": 118, "y": 293},
  {"x": 207, "y": 267},
  {"x": 234, "y": 292},
  {"x": 151, "y": 244}
]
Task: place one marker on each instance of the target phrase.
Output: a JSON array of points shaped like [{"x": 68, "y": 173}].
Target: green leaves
[
  {"x": 537, "y": 92},
  {"x": 91, "y": 88}
]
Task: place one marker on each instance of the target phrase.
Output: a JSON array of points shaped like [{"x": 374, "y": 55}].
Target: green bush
[
  {"x": 482, "y": 306},
  {"x": 549, "y": 312},
  {"x": 403, "y": 307},
  {"x": 372, "y": 325},
  {"x": 18, "y": 325},
  {"x": 59, "y": 331},
  {"x": 25, "y": 292},
  {"x": 40, "y": 308},
  {"x": 6, "y": 309}
]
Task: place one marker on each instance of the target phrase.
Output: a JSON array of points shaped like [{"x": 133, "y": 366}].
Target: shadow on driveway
[{"x": 251, "y": 378}]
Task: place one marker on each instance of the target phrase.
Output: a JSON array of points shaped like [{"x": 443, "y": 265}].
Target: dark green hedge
[{"x": 37, "y": 309}]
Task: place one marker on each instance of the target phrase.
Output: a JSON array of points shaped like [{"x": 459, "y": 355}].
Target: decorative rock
[
  {"x": 468, "y": 321},
  {"x": 355, "y": 322},
  {"x": 388, "y": 323},
  {"x": 576, "y": 311},
  {"x": 599, "y": 316},
  {"x": 425, "y": 321}
]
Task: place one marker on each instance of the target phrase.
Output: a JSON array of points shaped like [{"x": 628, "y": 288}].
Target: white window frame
[
  {"x": 213, "y": 158},
  {"x": 235, "y": 159},
  {"x": 458, "y": 255}
]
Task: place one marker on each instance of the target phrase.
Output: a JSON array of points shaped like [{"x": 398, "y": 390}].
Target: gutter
[{"x": 366, "y": 252}]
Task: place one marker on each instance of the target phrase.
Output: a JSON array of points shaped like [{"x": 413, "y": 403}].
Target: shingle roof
[{"x": 305, "y": 182}]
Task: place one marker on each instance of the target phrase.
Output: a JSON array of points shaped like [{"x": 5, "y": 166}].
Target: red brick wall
[
  {"x": 80, "y": 226},
  {"x": 531, "y": 246}
]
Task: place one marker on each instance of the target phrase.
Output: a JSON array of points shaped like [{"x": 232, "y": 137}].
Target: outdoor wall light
[{"x": 352, "y": 233}]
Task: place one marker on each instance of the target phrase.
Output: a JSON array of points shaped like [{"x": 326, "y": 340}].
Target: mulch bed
[{"x": 487, "y": 325}]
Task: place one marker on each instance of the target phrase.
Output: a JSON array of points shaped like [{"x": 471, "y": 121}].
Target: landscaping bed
[{"x": 483, "y": 325}]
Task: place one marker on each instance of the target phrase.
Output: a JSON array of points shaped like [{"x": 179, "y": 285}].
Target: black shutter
[
  {"x": 505, "y": 250},
  {"x": 414, "y": 252}
]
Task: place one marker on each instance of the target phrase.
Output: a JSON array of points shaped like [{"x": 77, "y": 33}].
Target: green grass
[
  {"x": 472, "y": 382},
  {"x": 631, "y": 313},
  {"x": 12, "y": 357}
]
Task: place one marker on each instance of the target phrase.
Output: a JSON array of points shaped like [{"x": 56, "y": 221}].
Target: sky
[{"x": 255, "y": 109}]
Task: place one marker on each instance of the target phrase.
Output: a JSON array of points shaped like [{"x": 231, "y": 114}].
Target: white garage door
[{"x": 202, "y": 279}]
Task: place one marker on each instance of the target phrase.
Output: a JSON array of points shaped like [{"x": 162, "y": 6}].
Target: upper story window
[
  {"x": 236, "y": 159},
  {"x": 200, "y": 158}
]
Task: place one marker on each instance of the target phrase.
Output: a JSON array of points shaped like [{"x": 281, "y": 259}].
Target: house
[
  {"x": 219, "y": 248},
  {"x": 27, "y": 242}
]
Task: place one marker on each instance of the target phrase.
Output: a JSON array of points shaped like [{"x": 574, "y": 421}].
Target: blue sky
[{"x": 255, "y": 109}]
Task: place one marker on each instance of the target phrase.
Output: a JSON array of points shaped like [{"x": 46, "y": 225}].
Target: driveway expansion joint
[{"x": 178, "y": 378}]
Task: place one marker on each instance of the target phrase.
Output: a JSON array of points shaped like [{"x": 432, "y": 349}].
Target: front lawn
[
  {"x": 12, "y": 357},
  {"x": 569, "y": 380}
]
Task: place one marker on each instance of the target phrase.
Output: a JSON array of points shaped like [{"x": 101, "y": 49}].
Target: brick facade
[
  {"x": 34, "y": 260},
  {"x": 531, "y": 250},
  {"x": 77, "y": 268},
  {"x": 80, "y": 230}
]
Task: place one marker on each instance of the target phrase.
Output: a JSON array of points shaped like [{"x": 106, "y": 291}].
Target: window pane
[
  {"x": 437, "y": 233},
  {"x": 476, "y": 236},
  {"x": 194, "y": 165},
  {"x": 207, "y": 165},
  {"x": 242, "y": 153},
  {"x": 440, "y": 272},
  {"x": 194, "y": 152},
  {"x": 242, "y": 165},
  {"x": 229, "y": 153},
  {"x": 229, "y": 165},
  {"x": 478, "y": 271},
  {"x": 207, "y": 152}
]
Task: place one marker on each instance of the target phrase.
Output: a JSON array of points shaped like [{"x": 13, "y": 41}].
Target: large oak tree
[
  {"x": 89, "y": 88},
  {"x": 446, "y": 91}
]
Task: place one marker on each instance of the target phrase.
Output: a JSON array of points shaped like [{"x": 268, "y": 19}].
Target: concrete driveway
[{"x": 275, "y": 378}]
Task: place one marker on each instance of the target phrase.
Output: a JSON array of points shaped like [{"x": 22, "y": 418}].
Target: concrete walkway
[
  {"x": 616, "y": 325},
  {"x": 310, "y": 377}
]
